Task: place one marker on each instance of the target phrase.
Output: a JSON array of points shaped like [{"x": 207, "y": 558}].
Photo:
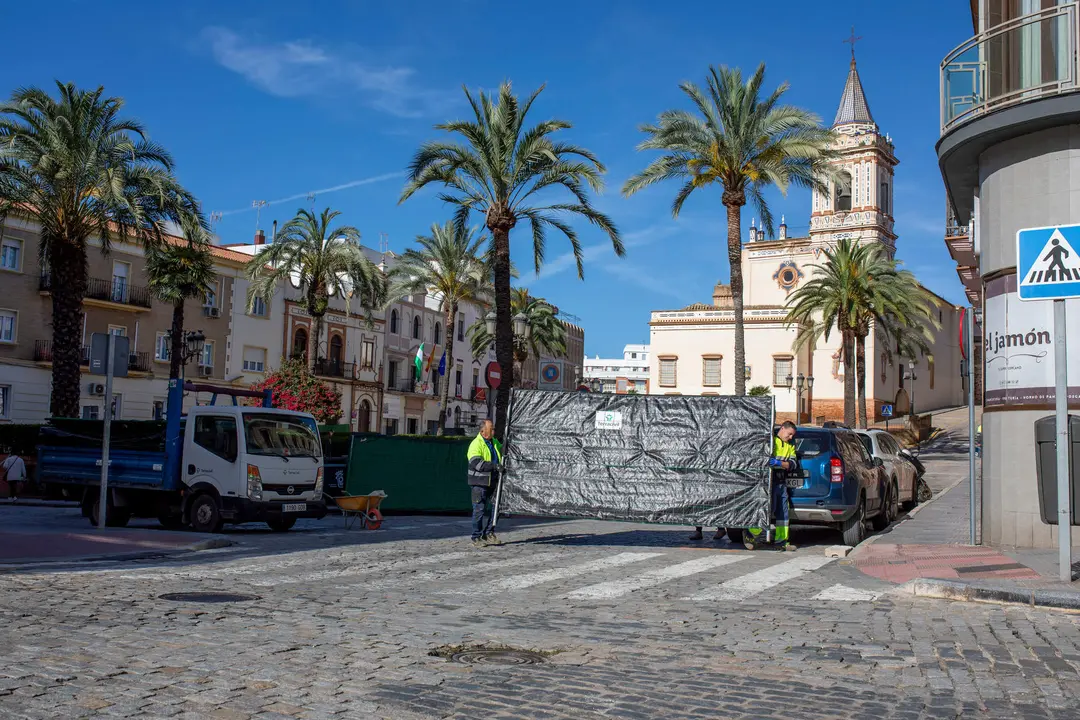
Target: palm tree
[
  {"x": 744, "y": 144},
  {"x": 450, "y": 264},
  {"x": 545, "y": 333},
  {"x": 859, "y": 287},
  {"x": 177, "y": 272},
  {"x": 902, "y": 310},
  {"x": 500, "y": 170},
  {"x": 830, "y": 299},
  {"x": 320, "y": 261},
  {"x": 80, "y": 170}
]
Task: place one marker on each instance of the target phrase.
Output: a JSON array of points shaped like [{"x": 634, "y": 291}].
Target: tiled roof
[{"x": 853, "y": 106}]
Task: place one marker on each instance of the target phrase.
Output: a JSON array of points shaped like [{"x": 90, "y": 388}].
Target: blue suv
[{"x": 841, "y": 486}]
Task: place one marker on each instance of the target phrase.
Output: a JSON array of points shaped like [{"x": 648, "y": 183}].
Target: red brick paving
[
  {"x": 901, "y": 563},
  {"x": 51, "y": 545}
]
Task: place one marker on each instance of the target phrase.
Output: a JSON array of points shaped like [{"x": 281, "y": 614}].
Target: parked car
[
  {"x": 841, "y": 486},
  {"x": 903, "y": 476}
]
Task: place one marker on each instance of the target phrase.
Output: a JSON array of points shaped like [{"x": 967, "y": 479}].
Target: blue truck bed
[{"x": 82, "y": 466}]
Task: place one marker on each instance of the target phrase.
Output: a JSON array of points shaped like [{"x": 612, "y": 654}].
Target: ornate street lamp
[
  {"x": 521, "y": 325},
  {"x": 489, "y": 323}
]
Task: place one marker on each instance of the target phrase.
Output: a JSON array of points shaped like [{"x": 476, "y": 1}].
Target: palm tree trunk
[
  {"x": 504, "y": 330},
  {"x": 313, "y": 340},
  {"x": 67, "y": 268},
  {"x": 176, "y": 341},
  {"x": 734, "y": 242},
  {"x": 451, "y": 314},
  {"x": 849, "y": 377},
  {"x": 860, "y": 373}
]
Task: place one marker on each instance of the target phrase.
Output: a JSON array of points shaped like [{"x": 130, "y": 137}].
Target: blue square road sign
[{"x": 1047, "y": 263}]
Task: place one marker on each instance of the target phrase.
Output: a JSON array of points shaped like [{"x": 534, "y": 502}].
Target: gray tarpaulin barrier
[{"x": 645, "y": 458}]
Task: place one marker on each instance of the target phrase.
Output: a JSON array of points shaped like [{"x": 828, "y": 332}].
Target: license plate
[
  {"x": 795, "y": 482},
  {"x": 294, "y": 507}
]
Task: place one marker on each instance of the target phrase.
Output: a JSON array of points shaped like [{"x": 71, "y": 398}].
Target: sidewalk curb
[
  {"x": 967, "y": 592},
  {"x": 878, "y": 536},
  {"x": 16, "y": 564},
  {"x": 29, "y": 502}
]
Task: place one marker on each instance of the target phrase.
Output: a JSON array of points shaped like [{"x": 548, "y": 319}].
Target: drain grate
[
  {"x": 208, "y": 597},
  {"x": 498, "y": 657},
  {"x": 491, "y": 655}
]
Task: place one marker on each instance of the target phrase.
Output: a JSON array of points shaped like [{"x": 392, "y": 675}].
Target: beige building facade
[{"x": 693, "y": 347}]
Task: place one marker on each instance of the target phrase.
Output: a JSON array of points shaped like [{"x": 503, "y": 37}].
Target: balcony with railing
[
  {"x": 334, "y": 369},
  {"x": 113, "y": 292},
  {"x": 1028, "y": 58},
  {"x": 43, "y": 353}
]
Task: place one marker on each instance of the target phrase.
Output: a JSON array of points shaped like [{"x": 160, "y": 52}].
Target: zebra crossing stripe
[
  {"x": 754, "y": 583},
  {"x": 843, "y": 593},
  {"x": 617, "y": 588},
  {"x": 442, "y": 573},
  {"x": 244, "y": 566},
  {"x": 528, "y": 580}
]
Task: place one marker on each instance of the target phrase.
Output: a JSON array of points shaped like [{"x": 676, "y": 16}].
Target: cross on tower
[{"x": 851, "y": 41}]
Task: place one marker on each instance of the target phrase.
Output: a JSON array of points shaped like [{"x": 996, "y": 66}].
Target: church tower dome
[{"x": 859, "y": 201}]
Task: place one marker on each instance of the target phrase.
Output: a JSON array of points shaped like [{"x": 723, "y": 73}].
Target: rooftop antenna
[
  {"x": 311, "y": 200},
  {"x": 215, "y": 218},
  {"x": 258, "y": 205},
  {"x": 384, "y": 243}
]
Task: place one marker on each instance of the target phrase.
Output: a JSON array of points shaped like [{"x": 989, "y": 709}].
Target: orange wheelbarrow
[{"x": 364, "y": 508}]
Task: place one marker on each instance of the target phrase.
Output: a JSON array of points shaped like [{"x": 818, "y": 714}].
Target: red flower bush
[{"x": 295, "y": 388}]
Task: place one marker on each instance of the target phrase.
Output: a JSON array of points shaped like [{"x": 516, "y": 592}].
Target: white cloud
[
  {"x": 647, "y": 279},
  {"x": 300, "y": 68}
]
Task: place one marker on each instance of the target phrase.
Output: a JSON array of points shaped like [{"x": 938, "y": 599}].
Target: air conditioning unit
[
  {"x": 211, "y": 311},
  {"x": 206, "y": 370},
  {"x": 97, "y": 388}
]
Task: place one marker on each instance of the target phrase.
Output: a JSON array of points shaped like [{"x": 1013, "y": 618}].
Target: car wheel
[
  {"x": 735, "y": 536},
  {"x": 889, "y": 510},
  {"x": 281, "y": 524},
  {"x": 853, "y": 528},
  {"x": 204, "y": 516}
]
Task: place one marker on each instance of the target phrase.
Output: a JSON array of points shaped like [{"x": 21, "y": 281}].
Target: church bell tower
[{"x": 859, "y": 201}]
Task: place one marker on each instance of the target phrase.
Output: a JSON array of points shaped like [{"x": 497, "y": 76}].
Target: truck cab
[{"x": 249, "y": 464}]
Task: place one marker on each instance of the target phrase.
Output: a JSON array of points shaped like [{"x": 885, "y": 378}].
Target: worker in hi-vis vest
[
  {"x": 485, "y": 461},
  {"x": 783, "y": 463}
]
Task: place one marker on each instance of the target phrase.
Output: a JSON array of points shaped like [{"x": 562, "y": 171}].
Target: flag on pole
[
  {"x": 430, "y": 360},
  {"x": 419, "y": 359},
  {"x": 442, "y": 363}
]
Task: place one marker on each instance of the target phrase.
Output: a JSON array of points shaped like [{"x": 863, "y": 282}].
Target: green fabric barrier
[{"x": 417, "y": 473}]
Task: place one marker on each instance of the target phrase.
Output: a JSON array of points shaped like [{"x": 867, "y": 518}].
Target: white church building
[{"x": 693, "y": 348}]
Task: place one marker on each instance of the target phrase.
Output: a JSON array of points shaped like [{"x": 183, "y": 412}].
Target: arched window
[
  {"x": 335, "y": 350},
  {"x": 842, "y": 192},
  {"x": 393, "y": 322},
  {"x": 416, "y": 327},
  {"x": 299, "y": 345},
  {"x": 438, "y": 333}
]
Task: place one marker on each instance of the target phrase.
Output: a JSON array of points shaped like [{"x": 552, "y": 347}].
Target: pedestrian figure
[
  {"x": 14, "y": 471},
  {"x": 485, "y": 462},
  {"x": 1057, "y": 256},
  {"x": 783, "y": 462}
]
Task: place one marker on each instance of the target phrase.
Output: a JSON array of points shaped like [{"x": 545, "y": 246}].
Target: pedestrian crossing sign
[{"x": 1047, "y": 263}]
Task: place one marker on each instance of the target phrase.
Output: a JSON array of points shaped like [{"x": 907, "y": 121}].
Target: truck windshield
[{"x": 281, "y": 435}]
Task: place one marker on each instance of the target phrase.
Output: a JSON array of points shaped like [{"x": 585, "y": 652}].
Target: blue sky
[{"x": 270, "y": 100}]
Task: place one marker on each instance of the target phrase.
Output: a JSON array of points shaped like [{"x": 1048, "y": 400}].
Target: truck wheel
[
  {"x": 853, "y": 528},
  {"x": 735, "y": 536},
  {"x": 204, "y": 515},
  {"x": 281, "y": 524},
  {"x": 171, "y": 522},
  {"x": 114, "y": 516}
]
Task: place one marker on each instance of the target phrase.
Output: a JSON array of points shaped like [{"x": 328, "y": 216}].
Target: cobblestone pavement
[{"x": 642, "y": 624}]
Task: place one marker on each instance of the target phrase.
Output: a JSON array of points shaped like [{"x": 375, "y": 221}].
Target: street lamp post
[
  {"x": 911, "y": 410},
  {"x": 194, "y": 341},
  {"x": 802, "y": 382}
]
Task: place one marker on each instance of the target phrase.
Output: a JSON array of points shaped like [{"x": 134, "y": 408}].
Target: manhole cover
[
  {"x": 498, "y": 657},
  {"x": 208, "y": 597}
]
